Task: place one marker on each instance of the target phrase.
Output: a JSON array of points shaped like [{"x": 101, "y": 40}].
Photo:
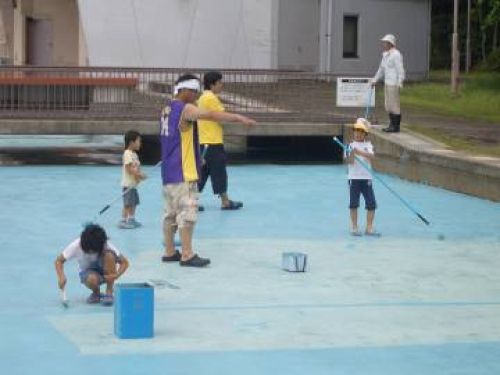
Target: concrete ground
[
  {"x": 475, "y": 137},
  {"x": 406, "y": 302}
]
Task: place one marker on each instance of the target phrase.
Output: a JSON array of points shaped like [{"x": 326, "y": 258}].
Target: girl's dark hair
[
  {"x": 210, "y": 79},
  {"x": 93, "y": 239},
  {"x": 186, "y": 77},
  {"x": 131, "y": 136}
]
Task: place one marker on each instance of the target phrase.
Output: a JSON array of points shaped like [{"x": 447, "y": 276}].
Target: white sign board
[{"x": 355, "y": 92}]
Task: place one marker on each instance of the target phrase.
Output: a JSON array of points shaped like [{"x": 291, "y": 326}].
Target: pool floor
[{"x": 405, "y": 303}]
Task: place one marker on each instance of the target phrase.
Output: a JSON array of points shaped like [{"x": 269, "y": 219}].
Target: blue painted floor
[{"x": 405, "y": 303}]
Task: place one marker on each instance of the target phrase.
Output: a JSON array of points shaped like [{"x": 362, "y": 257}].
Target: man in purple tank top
[{"x": 181, "y": 163}]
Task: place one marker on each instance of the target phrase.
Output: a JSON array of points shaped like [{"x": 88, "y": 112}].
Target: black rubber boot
[
  {"x": 390, "y": 128},
  {"x": 397, "y": 123}
]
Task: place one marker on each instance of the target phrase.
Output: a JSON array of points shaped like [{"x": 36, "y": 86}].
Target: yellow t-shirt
[
  {"x": 189, "y": 169},
  {"x": 210, "y": 131}
]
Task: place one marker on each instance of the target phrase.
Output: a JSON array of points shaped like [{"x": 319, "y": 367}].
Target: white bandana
[{"x": 191, "y": 84}]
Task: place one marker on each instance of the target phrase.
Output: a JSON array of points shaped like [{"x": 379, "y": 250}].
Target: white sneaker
[
  {"x": 134, "y": 222},
  {"x": 356, "y": 232},
  {"x": 126, "y": 225}
]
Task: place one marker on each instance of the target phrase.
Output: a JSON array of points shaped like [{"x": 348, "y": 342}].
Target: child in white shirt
[
  {"x": 97, "y": 259},
  {"x": 360, "y": 180},
  {"x": 131, "y": 176}
]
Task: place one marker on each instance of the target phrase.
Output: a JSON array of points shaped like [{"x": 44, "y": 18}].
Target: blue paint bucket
[
  {"x": 294, "y": 262},
  {"x": 134, "y": 310}
]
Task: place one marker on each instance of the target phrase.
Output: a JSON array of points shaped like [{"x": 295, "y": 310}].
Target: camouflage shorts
[{"x": 181, "y": 203}]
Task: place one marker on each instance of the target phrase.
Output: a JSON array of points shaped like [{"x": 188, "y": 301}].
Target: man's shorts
[
  {"x": 131, "y": 197},
  {"x": 181, "y": 203},
  {"x": 358, "y": 187}
]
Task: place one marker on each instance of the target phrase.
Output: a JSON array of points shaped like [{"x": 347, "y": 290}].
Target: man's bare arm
[{"x": 192, "y": 113}]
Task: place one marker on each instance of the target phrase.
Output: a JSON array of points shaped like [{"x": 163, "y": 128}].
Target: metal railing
[{"x": 139, "y": 93}]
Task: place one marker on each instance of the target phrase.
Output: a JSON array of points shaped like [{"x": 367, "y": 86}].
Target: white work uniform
[
  {"x": 391, "y": 68},
  {"x": 392, "y": 71}
]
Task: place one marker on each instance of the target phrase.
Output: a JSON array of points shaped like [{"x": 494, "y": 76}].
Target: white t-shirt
[
  {"x": 129, "y": 158},
  {"x": 74, "y": 251},
  {"x": 356, "y": 170}
]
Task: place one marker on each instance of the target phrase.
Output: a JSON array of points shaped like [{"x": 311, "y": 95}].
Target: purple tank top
[{"x": 171, "y": 143}]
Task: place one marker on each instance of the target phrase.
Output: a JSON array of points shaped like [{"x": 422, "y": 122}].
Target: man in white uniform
[{"x": 391, "y": 70}]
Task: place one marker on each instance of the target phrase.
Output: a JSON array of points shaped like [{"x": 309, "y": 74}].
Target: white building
[{"x": 337, "y": 36}]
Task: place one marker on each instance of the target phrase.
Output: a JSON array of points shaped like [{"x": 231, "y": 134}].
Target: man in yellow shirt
[{"x": 212, "y": 142}]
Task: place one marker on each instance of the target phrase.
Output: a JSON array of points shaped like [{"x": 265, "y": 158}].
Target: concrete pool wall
[{"x": 406, "y": 155}]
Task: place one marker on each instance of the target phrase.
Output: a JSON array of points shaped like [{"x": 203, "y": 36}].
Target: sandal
[
  {"x": 172, "y": 258},
  {"x": 195, "y": 261},
  {"x": 233, "y": 205},
  {"x": 107, "y": 300},
  {"x": 94, "y": 298},
  {"x": 373, "y": 233}
]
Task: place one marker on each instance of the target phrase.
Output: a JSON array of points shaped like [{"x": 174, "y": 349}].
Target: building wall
[
  {"x": 83, "y": 55},
  {"x": 182, "y": 34},
  {"x": 298, "y": 34},
  {"x": 6, "y": 30},
  {"x": 18, "y": 38},
  {"x": 63, "y": 15},
  {"x": 409, "y": 20},
  {"x": 224, "y": 33},
  {"x": 308, "y": 39}
]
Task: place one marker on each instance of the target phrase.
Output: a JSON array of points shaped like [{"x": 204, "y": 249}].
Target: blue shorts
[
  {"x": 358, "y": 187},
  {"x": 96, "y": 268}
]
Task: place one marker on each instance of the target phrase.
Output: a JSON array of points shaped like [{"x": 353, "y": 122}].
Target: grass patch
[
  {"x": 478, "y": 98},
  {"x": 456, "y": 143}
]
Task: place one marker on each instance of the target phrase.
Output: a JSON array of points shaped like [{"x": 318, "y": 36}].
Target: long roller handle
[
  {"x": 108, "y": 206},
  {"x": 375, "y": 175}
]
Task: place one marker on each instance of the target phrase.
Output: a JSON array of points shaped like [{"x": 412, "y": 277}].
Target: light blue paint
[
  {"x": 43, "y": 208},
  {"x": 408, "y": 304}
]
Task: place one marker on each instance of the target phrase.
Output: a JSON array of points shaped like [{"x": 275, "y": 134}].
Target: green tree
[
  {"x": 485, "y": 32},
  {"x": 488, "y": 12},
  {"x": 492, "y": 21}
]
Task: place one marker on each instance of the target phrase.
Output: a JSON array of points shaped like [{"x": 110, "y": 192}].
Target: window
[{"x": 350, "y": 48}]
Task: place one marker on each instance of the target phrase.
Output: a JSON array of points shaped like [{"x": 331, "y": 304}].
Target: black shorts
[
  {"x": 358, "y": 187},
  {"x": 215, "y": 167}
]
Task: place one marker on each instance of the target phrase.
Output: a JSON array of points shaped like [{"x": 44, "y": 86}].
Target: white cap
[
  {"x": 363, "y": 124},
  {"x": 389, "y": 38}
]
